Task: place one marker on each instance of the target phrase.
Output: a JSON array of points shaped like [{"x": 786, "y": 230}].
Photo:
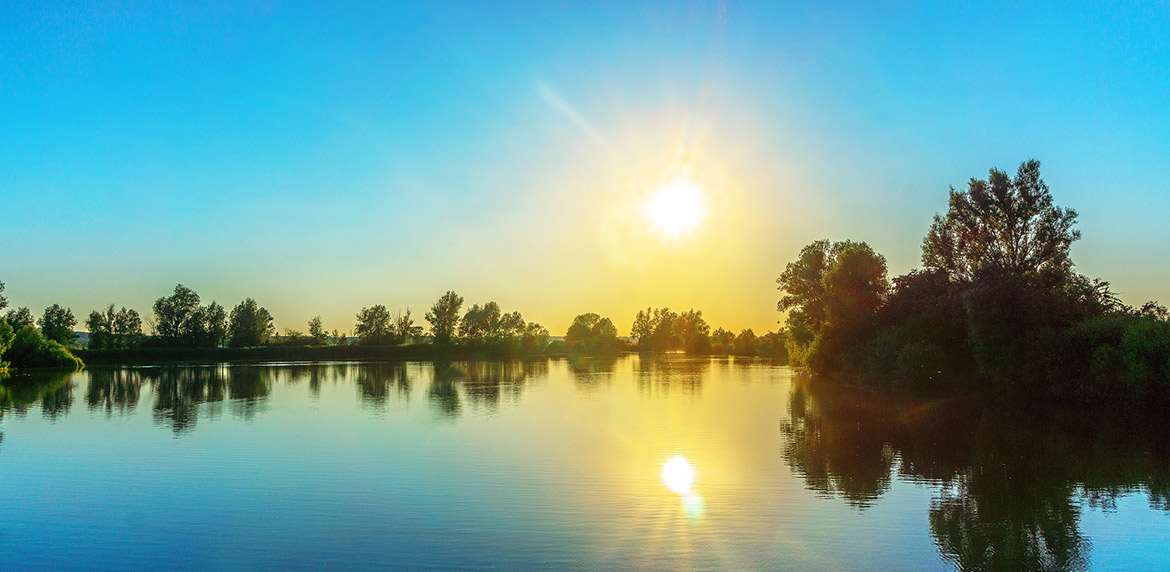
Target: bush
[{"x": 31, "y": 349}]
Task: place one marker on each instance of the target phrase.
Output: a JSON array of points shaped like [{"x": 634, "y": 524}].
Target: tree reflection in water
[
  {"x": 1012, "y": 484},
  {"x": 590, "y": 373},
  {"x": 663, "y": 373}
]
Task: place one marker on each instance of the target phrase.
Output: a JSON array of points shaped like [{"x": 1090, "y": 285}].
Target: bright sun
[{"x": 675, "y": 208}]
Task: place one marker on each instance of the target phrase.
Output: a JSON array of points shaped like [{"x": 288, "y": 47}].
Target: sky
[{"x": 324, "y": 157}]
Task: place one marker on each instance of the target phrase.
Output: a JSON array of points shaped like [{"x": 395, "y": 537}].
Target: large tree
[
  {"x": 373, "y": 326},
  {"x": 831, "y": 292},
  {"x": 250, "y": 325},
  {"x": 444, "y": 317},
  {"x": 176, "y": 316},
  {"x": 1002, "y": 225},
  {"x": 592, "y": 333},
  {"x": 113, "y": 329},
  {"x": 57, "y": 325},
  {"x": 20, "y": 317}
]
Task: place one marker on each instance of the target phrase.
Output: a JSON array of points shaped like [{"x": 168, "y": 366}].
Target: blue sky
[{"x": 324, "y": 157}]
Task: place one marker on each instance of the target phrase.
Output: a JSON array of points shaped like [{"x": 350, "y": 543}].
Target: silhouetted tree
[
  {"x": 444, "y": 317},
  {"x": 113, "y": 329},
  {"x": 653, "y": 330},
  {"x": 250, "y": 325},
  {"x": 180, "y": 320},
  {"x": 317, "y": 331},
  {"x": 405, "y": 330},
  {"x": 20, "y": 317},
  {"x": 57, "y": 325},
  {"x": 832, "y": 293},
  {"x": 373, "y": 326},
  {"x": 1002, "y": 225},
  {"x": 692, "y": 331},
  {"x": 591, "y": 333},
  {"x": 3, "y": 300},
  {"x": 745, "y": 343}
]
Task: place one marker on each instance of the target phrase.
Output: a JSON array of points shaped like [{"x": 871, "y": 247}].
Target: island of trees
[
  {"x": 182, "y": 328},
  {"x": 997, "y": 305}
]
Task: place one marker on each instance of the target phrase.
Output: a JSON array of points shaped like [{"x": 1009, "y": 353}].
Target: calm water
[{"x": 559, "y": 465}]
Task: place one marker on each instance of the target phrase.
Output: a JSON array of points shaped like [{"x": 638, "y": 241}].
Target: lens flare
[{"x": 678, "y": 475}]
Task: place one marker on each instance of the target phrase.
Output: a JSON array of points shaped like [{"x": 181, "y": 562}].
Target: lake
[{"x": 670, "y": 463}]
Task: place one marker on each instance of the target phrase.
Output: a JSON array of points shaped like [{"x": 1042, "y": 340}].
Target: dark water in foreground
[{"x": 664, "y": 464}]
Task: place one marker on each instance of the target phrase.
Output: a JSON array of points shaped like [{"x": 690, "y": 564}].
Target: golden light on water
[
  {"x": 676, "y": 208},
  {"x": 678, "y": 475}
]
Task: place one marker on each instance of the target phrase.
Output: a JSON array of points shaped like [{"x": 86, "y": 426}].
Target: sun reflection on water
[{"x": 679, "y": 476}]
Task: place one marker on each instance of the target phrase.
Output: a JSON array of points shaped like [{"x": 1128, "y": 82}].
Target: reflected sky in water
[{"x": 666, "y": 463}]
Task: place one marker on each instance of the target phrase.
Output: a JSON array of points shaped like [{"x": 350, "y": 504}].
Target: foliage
[
  {"x": 181, "y": 321},
  {"x": 109, "y": 329},
  {"x": 317, "y": 334},
  {"x": 405, "y": 330},
  {"x": 592, "y": 334},
  {"x": 6, "y": 335},
  {"x": 250, "y": 325},
  {"x": 29, "y": 348},
  {"x": 373, "y": 326},
  {"x": 20, "y": 317},
  {"x": 57, "y": 324},
  {"x": 832, "y": 294},
  {"x": 1004, "y": 226},
  {"x": 444, "y": 317}
]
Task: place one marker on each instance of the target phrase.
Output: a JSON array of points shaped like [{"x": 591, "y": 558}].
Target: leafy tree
[
  {"x": 250, "y": 325},
  {"x": 832, "y": 293},
  {"x": 1002, "y": 225},
  {"x": 57, "y": 324},
  {"x": 535, "y": 337},
  {"x": 745, "y": 343},
  {"x": 591, "y": 333},
  {"x": 722, "y": 342},
  {"x": 405, "y": 330},
  {"x": 480, "y": 324},
  {"x": 3, "y": 300},
  {"x": 20, "y": 318},
  {"x": 113, "y": 329},
  {"x": 691, "y": 330},
  {"x": 211, "y": 326},
  {"x": 31, "y": 349},
  {"x": 444, "y": 317},
  {"x": 6, "y": 335},
  {"x": 180, "y": 320},
  {"x": 654, "y": 330},
  {"x": 373, "y": 326},
  {"x": 317, "y": 331}
]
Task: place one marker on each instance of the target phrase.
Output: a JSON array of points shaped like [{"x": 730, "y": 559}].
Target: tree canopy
[
  {"x": 373, "y": 326},
  {"x": 57, "y": 325},
  {"x": 591, "y": 333},
  {"x": 250, "y": 325},
  {"x": 444, "y": 317},
  {"x": 1004, "y": 225}
]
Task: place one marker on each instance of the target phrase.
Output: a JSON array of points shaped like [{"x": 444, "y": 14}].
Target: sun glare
[
  {"x": 678, "y": 475},
  {"x": 675, "y": 208}
]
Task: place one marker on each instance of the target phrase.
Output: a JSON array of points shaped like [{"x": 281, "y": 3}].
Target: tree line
[
  {"x": 182, "y": 320},
  {"x": 996, "y": 304}
]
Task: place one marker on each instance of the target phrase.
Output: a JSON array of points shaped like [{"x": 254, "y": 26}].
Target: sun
[{"x": 675, "y": 208}]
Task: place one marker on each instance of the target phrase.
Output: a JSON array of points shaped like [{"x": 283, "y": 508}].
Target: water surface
[{"x": 559, "y": 464}]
